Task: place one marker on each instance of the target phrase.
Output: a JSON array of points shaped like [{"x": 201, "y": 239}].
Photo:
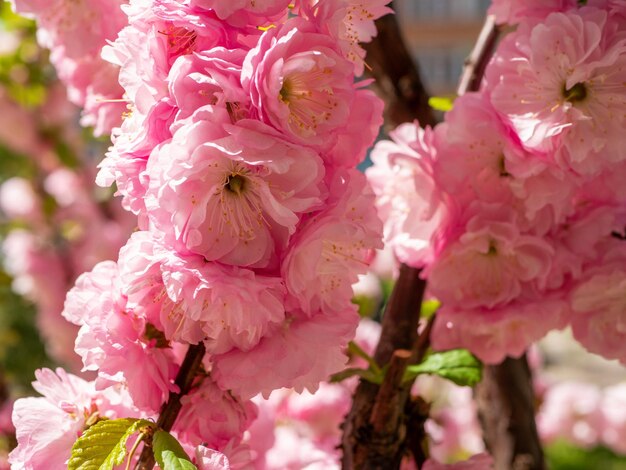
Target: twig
[
  {"x": 399, "y": 331},
  {"x": 169, "y": 411},
  {"x": 478, "y": 59},
  {"x": 397, "y": 76}
]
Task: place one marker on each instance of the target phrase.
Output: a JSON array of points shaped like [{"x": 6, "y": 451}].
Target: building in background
[{"x": 441, "y": 34}]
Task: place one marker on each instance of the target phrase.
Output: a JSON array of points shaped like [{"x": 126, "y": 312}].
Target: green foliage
[
  {"x": 368, "y": 306},
  {"x": 169, "y": 454},
  {"x": 103, "y": 445},
  {"x": 24, "y": 72},
  {"x": 21, "y": 349},
  {"x": 565, "y": 456},
  {"x": 458, "y": 366},
  {"x": 441, "y": 103},
  {"x": 429, "y": 307},
  {"x": 367, "y": 374},
  {"x": 372, "y": 374}
]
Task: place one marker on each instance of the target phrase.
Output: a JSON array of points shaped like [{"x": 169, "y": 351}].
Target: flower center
[
  {"x": 235, "y": 184},
  {"x": 180, "y": 41},
  {"x": 575, "y": 94},
  {"x": 310, "y": 99}
]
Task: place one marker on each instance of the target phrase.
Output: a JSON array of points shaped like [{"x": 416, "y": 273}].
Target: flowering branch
[
  {"x": 169, "y": 412},
  {"x": 397, "y": 76},
  {"x": 505, "y": 395},
  {"x": 478, "y": 59},
  {"x": 362, "y": 429}
]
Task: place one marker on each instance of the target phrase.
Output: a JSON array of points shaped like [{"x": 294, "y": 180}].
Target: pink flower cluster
[
  {"x": 585, "y": 415},
  {"x": 58, "y": 225},
  {"x": 515, "y": 204},
  {"x": 75, "y": 32},
  {"x": 238, "y": 157}
]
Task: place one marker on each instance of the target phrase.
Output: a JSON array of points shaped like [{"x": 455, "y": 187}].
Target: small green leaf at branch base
[
  {"x": 441, "y": 103},
  {"x": 458, "y": 366},
  {"x": 429, "y": 308},
  {"x": 103, "y": 445},
  {"x": 367, "y": 374},
  {"x": 169, "y": 454}
]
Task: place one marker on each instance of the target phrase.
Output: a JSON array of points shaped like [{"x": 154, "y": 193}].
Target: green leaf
[
  {"x": 367, "y": 374},
  {"x": 441, "y": 103},
  {"x": 429, "y": 307},
  {"x": 355, "y": 350},
  {"x": 168, "y": 452},
  {"x": 458, "y": 366},
  {"x": 103, "y": 445}
]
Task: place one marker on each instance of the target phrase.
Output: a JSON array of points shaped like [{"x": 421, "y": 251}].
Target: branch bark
[
  {"x": 476, "y": 63},
  {"x": 187, "y": 373},
  {"x": 397, "y": 76},
  {"x": 399, "y": 84},
  {"x": 367, "y": 444},
  {"x": 506, "y": 408}
]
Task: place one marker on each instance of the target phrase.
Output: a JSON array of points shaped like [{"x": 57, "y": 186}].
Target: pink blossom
[
  {"x": 114, "y": 338},
  {"x": 92, "y": 84},
  {"x": 61, "y": 24},
  {"x": 241, "y": 13},
  {"x": 557, "y": 81},
  {"x": 158, "y": 33},
  {"x": 332, "y": 247},
  {"x": 571, "y": 411},
  {"x": 75, "y": 53},
  {"x": 410, "y": 201},
  {"x": 294, "y": 452},
  {"x": 349, "y": 22},
  {"x": 493, "y": 334},
  {"x": 272, "y": 364},
  {"x": 321, "y": 412},
  {"x": 125, "y": 163},
  {"x": 514, "y": 11},
  {"x": 212, "y": 416},
  {"x": 476, "y": 462},
  {"x": 613, "y": 425},
  {"x": 479, "y": 158},
  {"x": 18, "y": 200},
  {"x": 209, "y": 77},
  {"x": 209, "y": 459},
  {"x": 598, "y": 304},
  {"x": 234, "y": 200},
  {"x": 491, "y": 263},
  {"x": 212, "y": 302},
  {"x": 301, "y": 85},
  {"x": 46, "y": 427}
]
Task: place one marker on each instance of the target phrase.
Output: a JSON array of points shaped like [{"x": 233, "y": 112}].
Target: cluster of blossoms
[
  {"x": 237, "y": 155},
  {"x": 585, "y": 415},
  {"x": 514, "y": 206},
  {"x": 58, "y": 226},
  {"x": 75, "y": 32},
  {"x": 296, "y": 431}
]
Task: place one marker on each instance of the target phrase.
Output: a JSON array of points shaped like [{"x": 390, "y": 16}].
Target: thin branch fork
[{"x": 189, "y": 370}]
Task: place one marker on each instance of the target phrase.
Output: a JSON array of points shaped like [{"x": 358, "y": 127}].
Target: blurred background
[{"x": 55, "y": 224}]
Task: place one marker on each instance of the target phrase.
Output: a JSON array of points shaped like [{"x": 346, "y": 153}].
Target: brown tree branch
[
  {"x": 476, "y": 63},
  {"x": 187, "y": 373},
  {"x": 397, "y": 76},
  {"x": 506, "y": 408},
  {"x": 364, "y": 446},
  {"x": 399, "y": 84}
]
